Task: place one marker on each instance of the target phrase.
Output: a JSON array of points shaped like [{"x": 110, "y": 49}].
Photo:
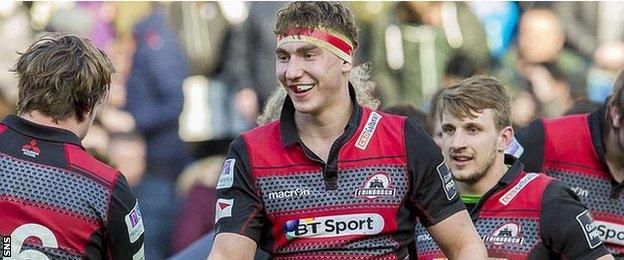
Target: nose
[
  {"x": 294, "y": 69},
  {"x": 456, "y": 141}
]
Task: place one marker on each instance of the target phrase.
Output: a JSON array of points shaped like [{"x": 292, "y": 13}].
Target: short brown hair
[
  {"x": 473, "y": 95},
  {"x": 313, "y": 14},
  {"x": 617, "y": 98},
  {"x": 62, "y": 76}
]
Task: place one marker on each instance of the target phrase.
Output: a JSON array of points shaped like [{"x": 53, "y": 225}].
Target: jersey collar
[
  {"x": 41, "y": 132},
  {"x": 512, "y": 173},
  {"x": 289, "y": 130}
]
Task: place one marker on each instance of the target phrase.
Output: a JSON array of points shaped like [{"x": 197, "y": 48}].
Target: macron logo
[{"x": 368, "y": 131}]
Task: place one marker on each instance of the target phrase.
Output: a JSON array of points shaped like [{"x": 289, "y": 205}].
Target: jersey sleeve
[
  {"x": 125, "y": 229},
  {"x": 532, "y": 139},
  {"x": 239, "y": 208},
  {"x": 567, "y": 226},
  {"x": 434, "y": 194}
]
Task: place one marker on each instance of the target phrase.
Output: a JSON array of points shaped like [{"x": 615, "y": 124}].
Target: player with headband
[{"x": 332, "y": 179}]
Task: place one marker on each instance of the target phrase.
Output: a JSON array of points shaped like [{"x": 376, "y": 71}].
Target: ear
[
  {"x": 506, "y": 136},
  {"x": 615, "y": 117},
  {"x": 346, "y": 66}
]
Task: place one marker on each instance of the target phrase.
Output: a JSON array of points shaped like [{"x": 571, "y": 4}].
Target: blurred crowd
[{"x": 190, "y": 76}]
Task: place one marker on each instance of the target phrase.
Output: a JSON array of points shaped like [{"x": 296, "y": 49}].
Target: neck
[
  {"x": 71, "y": 124},
  {"x": 327, "y": 124},
  {"x": 614, "y": 155},
  {"x": 491, "y": 178}
]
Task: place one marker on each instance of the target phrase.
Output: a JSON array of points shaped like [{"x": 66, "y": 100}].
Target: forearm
[
  {"x": 229, "y": 246},
  {"x": 458, "y": 238},
  {"x": 469, "y": 250}
]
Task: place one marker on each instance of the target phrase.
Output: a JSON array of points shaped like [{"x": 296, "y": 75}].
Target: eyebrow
[{"x": 299, "y": 51}]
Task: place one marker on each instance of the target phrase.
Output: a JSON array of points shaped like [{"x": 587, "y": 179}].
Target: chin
[
  {"x": 467, "y": 176},
  {"x": 305, "y": 107}
]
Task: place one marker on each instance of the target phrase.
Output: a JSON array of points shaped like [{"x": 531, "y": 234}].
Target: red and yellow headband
[{"x": 332, "y": 41}]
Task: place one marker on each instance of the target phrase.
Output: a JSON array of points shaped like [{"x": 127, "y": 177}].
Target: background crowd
[{"x": 192, "y": 75}]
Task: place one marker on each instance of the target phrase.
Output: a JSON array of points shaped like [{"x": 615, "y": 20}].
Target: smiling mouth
[
  {"x": 302, "y": 88},
  {"x": 461, "y": 158}
]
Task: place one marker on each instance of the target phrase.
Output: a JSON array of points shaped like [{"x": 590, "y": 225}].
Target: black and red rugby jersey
[
  {"x": 381, "y": 175},
  {"x": 58, "y": 202},
  {"x": 570, "y": 149},
  {"x": 528, "y": 216}
]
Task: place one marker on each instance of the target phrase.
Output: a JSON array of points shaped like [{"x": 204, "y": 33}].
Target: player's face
[
  {"x": 309, "y": 74},
  {"x": 470, "y": 145}
]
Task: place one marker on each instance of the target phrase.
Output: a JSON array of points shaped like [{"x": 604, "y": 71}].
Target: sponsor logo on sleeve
[
  {"x": 227, "y": 174},
  {"x": 377, "y": 185},
  {"x": 511, "y": 194},
  {"x": 590, "y": 229},
  {"x": 134, "y": 223},
  {"x": 223, "y": 209},
  {"x": 610, "y": 232},
  {"x": 448, "y": 185},
  {"x": 368, "y": 131},
  {"x": 506, "y": 234},
  {"x": 334, "y": 226}
]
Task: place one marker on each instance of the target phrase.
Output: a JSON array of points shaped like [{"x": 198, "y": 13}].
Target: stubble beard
[{"x": 479, "y": 173}]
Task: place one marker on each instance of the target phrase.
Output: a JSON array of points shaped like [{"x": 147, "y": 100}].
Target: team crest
[
  {"x": 506, "y": 234},
  {"x": 377, "y": 185}
]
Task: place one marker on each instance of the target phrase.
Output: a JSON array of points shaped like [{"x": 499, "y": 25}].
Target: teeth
[{"x": 301, "y": 88}]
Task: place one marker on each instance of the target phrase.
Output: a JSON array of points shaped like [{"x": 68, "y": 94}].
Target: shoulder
[
  {"x": 261, "y": 132},
  {"x": 78, "y": 158}
]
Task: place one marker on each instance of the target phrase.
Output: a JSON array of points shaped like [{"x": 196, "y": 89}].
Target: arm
[
  {"x": 437, "y": 199},
  {"x": 240, "y": 218},
  {"x": 125, "y": 229},
  {"x": 232, "y": 246},
  {"x": 567, "y": 227},
  {"x": 463, "y": 242}
]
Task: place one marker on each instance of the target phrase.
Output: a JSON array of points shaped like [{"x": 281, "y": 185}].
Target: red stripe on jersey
[{"x": 81, "y": 159}]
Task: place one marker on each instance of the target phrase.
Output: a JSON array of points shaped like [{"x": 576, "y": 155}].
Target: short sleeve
[
  {"x": 239, "y": 208},
  {"x": 125, "y": 228},
  {"x": 434, "y": 194},
  {"x": 567, "y": 226}
]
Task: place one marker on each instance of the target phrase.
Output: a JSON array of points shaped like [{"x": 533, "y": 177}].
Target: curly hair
[{"x": 62, "y": 76}]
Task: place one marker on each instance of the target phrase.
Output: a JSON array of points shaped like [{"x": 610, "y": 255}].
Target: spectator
[{"x": 414, "y": 43}]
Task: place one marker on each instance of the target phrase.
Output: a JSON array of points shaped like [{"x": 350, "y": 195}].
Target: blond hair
[{"x": 473, "y": 95}]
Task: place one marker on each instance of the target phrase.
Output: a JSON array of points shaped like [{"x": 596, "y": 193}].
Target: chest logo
[
  {"x": 368, "y": 131},
  {"x": 377, "y": 185},
  {"x": 611, "y": 233},
  {"x": 506, "y": 234},
  {"x": 31, "y": 149},
  {"x": 334, "y": 226}
]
